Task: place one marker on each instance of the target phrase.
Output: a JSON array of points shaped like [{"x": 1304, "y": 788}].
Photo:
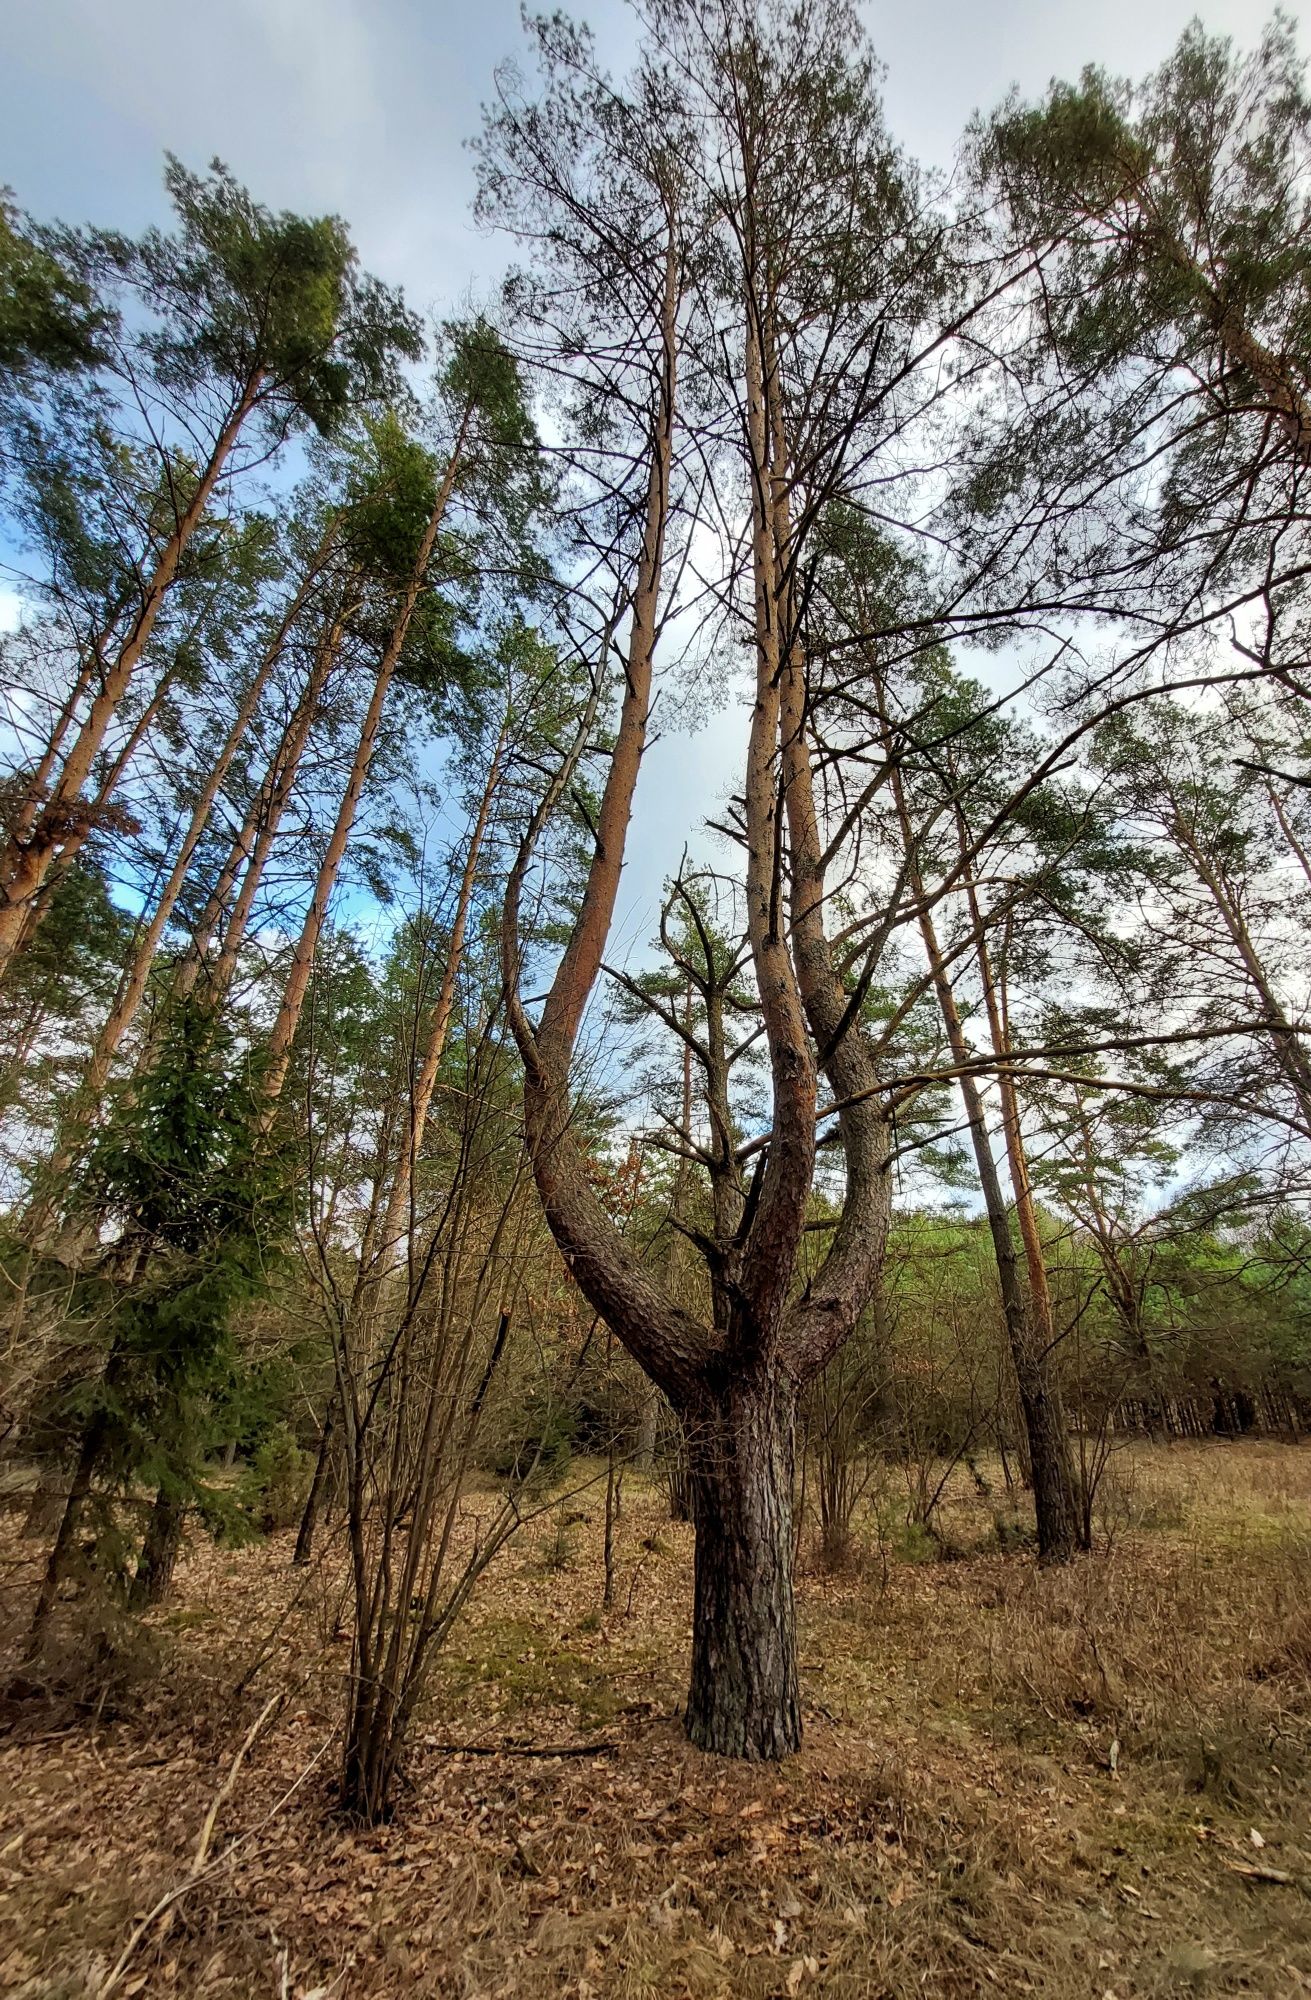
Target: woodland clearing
[
  {"x": 1090, "y": 1780},
  {"x": 389, "y": 1167}
]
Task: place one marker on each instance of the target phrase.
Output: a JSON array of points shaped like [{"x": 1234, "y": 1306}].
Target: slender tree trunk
[
  {"x": 396, "y": 1220},
  {"x": 26, "y": 861},
  {"x": 298, "y": 979},
  {"x": 78, "y": 834},
  {"x": 302, "y": 962},
  {"x": 674, "y": 1458},
  {"x": 648, "y": 1418},
  {"x": 34, "y": 797},
  {"x": 133, "y": 985},
  {"x": 744, "y": 1699},
  {"x": 1056, "y": 1500},
  {"x": 125, "y": 1007},
  {"x": 1122, "y": 1290},
  {"x": 1280, "y": 809},
  {"x": 1061, "y": 1530},
  {"x": 248, "y": 856},
  {"x": 314, "y": 1498},
  {"x": 159, "y": 1552},
  {"x": 1287, "y": 1045}
]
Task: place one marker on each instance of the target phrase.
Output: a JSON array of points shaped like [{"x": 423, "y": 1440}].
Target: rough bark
[
  {"x": 734, "y": 1381},
  {"x": 745, "y": 1698},
  {"x": 744, "y": 1678}
]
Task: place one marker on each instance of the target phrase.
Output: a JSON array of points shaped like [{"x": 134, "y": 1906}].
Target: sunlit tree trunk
[
  {"x": 293, "y": 999},
  {"x": 132, "y": 989},
  {"x": 395, "y": 1226},
  {"x": 26, "y": 860}
]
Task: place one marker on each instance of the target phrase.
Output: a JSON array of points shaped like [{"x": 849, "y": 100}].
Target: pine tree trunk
[
  {"x": 159, "y": 1552},
  {"x": 744, "y": 1699},
  {"x": 1055, "y": 1490},
  {"x": 1061, "y": 1526},
  {"x": 26, "y": 861},
  {"x": 1044, "y": 1448}
]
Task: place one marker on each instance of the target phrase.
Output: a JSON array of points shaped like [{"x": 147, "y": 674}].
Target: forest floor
[{"x": 1088, "y": 1782}]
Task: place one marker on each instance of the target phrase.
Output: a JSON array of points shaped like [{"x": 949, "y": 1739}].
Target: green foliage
[
  {"x": 391, "y": 487},
  {"x": 273, "y": 304},
  {"x": 63, "y": 979},
  {"x": 1206, "y": 153},
  {"x": 50, "y": 318},
  {"x": 275, "y": 1483},
  {"x": 193, "y": 1207},
  {"x": 1167, "y": 330}
]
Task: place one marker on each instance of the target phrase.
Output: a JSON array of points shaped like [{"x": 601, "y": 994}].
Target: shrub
[{"x": 276, "y": 1482}]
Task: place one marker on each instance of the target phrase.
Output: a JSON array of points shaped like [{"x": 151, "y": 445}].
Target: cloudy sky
[{"x": 362, "y": 107}]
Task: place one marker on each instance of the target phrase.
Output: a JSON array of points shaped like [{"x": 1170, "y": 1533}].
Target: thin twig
[
  {"x": 198, "y": 1870},
  {"x": 525, "y": 1749}
]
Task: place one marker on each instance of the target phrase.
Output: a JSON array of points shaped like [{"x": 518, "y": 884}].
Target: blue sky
[{"x": 362, "y": 107}]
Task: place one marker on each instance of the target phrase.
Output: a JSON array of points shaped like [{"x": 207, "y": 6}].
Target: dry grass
[{"x": 1014, "y": 1781}]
